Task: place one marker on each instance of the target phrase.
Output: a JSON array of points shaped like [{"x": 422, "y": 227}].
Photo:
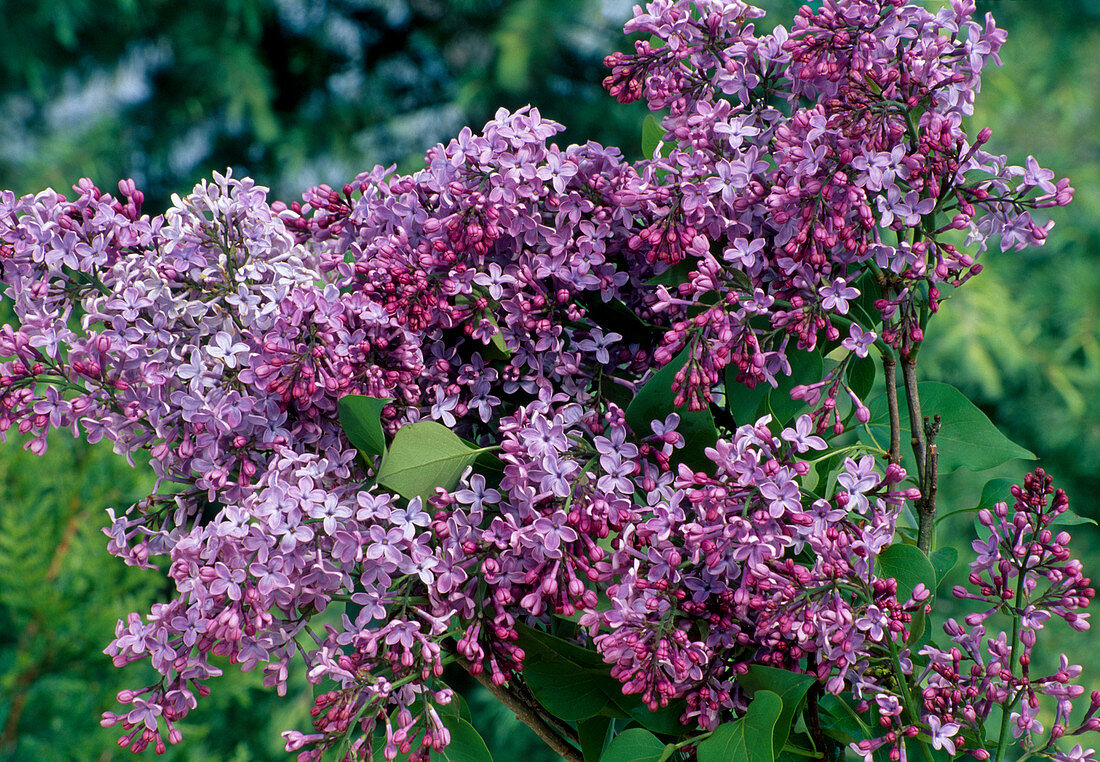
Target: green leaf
[
  {"x": 861, "y": 375},
  {"x": 967, "y": 438},
  {"x": 652, "y": 133},
  {"x": 996, "y": 491},
  {"x": 656, "y": 400},
  {"x": 593, "y": 737},
  {"x": 806, "y": 368},
  {"x": 743, "y": 402},
  {"x": 909, "y": 566},
  {"x": 740, "y": 740},
  {"x": 466, "y": 744},
  {"x": 1068, "y": 518},
  {"x": 457, "y": 708},
  {"x": 566, "y": 691},
  {"x": 791, "y": 687},
  {"x": 840, "y": 721},
  {"x": 361, "y": 419},
  {"x": 634, "y": 745},
  {"x": 425, "y": 455},
  {"x": 533, "y": 640},
  {"x": 571, "y": 681},
  {"x": 943, "y": 561}
]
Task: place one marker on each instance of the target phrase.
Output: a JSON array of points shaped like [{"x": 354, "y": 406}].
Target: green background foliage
[{"x": 296, "y": 93}]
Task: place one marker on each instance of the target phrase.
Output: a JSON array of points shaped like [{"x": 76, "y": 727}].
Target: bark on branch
[
  {"x": 527, "y": 714},
  {"x": 889, "y": 370}
]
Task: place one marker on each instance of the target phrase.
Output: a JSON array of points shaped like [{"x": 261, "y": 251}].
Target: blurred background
[{"x": 296, "y": 93}]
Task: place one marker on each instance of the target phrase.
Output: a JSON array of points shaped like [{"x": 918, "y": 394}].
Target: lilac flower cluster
[
  {"x": 792, "y": 211},
  {"x": 219, "y": 336},
  {"x": 521, "y": 295},
  {"x": 1024, "y": 569},
  {"x": 727, "y": 549}
]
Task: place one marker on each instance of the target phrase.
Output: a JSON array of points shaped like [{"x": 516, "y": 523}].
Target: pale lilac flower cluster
[
  {"x": 1023, "y": 569},
  {"x": 522, "y": 294},
  {"x": 219, "y": 341},
  {"x": 722, "y": 549},
  {"x": 803, "y": 167}
]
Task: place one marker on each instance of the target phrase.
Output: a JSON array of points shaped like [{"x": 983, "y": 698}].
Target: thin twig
[
  {"x": 926, "y": 506},
  {"x": 916, "y": 421},
  {"x": 821, "y": 742},
  {"x": 526, "y": 714},
  {"x": 889, "y": 370}
]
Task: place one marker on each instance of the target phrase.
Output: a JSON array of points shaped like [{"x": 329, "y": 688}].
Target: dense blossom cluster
[
  {"x": 813, "y": 187},
  {"x": 1024, "y": 564},
  {"x": 811, "y": 204},
  {"x": 727, "y": 549}
]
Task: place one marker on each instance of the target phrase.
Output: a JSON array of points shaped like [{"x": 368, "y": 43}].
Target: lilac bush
[{"x": 600, "y": 433}]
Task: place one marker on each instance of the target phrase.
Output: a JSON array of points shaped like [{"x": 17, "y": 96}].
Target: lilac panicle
[{"x": 813, "y": 187}]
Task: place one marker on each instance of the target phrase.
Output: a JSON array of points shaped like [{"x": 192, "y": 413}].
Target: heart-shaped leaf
[
  {"x": 967, "y": 438},
  {"x": 566, "y": 691},
  {"x": 361, "y": 419},
  {"x": 740, "y": 740},
  {"x": 909, "y": 566},
  {"x": 861, "y": 375},
  {"x": 425, "y": 455},
  {"x": 943, "y": 561},
  {"x": 634, "y": 745}
]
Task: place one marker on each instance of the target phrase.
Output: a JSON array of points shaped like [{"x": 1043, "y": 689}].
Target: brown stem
[
  {"x": 926, "y": 506},
  {"x": 526, "y": 714},
  {"x": 889, "y": 370},
  {"x": 916, "y": 422},
  {"x": 822, "y": 742}
]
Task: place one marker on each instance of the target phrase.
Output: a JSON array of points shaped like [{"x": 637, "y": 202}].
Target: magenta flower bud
[
  {"x": 863, "y": 414},
  {"x": 895, "y": 474}
]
